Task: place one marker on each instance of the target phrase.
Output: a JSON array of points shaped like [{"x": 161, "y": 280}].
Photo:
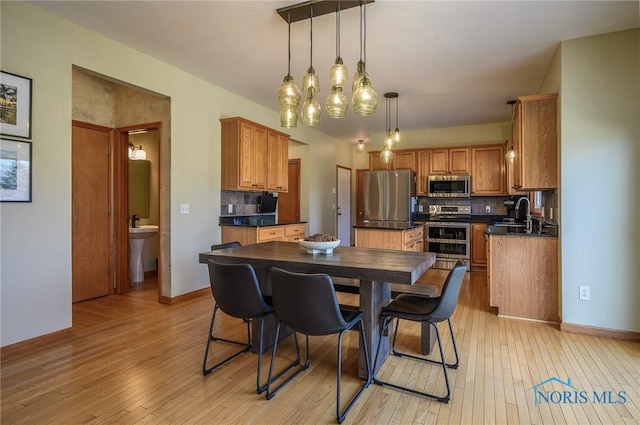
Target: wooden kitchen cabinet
[
  {"x": 246, "y": 158},
  {"x": 248, "y": 235},
  {"x": 422, "y": 185},
  {"x": 402, "y": 159},
  {"x": 535, "y": 139},
  {"x": 403, "y": 240},
  {"x": 478, "y": 245},
  {"x": 488, "y": 171},
  {"x": 449, "y": 161},
  {"x": 278, "y": 162},
  {"x": 523, "y": 276}
]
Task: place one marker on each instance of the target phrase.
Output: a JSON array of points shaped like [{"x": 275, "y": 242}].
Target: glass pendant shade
[
  {"x": 360, "y": 146},
  {"x": 337, "y": 103},
  {"x": 365, "y": 98},
  {"x": 386, "y": 156},
  {"x": 311, "y": 109},
  {"x": 339, "y": 73},
  {"x": 288, "y": 94},
  {"x": 311, "y": 79},
  {"x": 357, "y": 77},
  {"x": 289, "y": 99},
  {"x": 510, "y": 156},
  {"x": 288, "y": 117},
  {"x": 396, "y": 135},
  {"x": 389, "y": 142}
]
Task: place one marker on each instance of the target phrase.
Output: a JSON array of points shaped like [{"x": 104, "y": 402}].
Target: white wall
[
  {"x": 35, "y": 240},
  {"x": 600, "y": 199}
]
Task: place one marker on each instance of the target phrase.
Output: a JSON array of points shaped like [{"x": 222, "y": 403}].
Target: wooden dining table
[{"x": 375, "y": 269}]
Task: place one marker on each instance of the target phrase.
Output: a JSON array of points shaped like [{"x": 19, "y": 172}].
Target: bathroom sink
[{"x": 144, "y": 231}]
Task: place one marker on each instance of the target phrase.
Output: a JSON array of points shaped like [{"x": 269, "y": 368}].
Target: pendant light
[
  {"x": 510, "y": 156},
  {"x": 386, "y": 156},
  {"x": 389, "y": 141},
  {"x": 288, "y": 94},
  {"x": 396, "y": 132},
  {"x": 337, "y": 103},
  {"x": 364, "y": 98},
  {"x": 311, "y": 86}
]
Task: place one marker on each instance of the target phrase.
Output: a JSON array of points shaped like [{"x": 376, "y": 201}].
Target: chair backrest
[
  {"x": 450, "y": 292},
  {"x": 307, "y": 303},
  {"x": 236, "y": 290},
  {"x": 225, "y": 245}
]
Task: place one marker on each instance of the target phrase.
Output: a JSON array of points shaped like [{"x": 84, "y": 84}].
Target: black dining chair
[
  {"x": 417, "y": 308},
  {"x": 237, "y": 293},
  {"x": 307, "y": 303}
]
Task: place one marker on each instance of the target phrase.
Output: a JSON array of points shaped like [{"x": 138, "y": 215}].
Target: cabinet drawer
[
  {"x": 294, "y": 230},
  {"x": 412, "y": 235},
  {"x": 271, "y": 233}
]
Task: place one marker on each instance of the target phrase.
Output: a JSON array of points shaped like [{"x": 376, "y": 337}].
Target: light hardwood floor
[{"x": 134, "y": 361}]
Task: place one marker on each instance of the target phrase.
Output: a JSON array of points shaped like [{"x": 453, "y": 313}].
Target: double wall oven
[{"x": 448, "y": 234}]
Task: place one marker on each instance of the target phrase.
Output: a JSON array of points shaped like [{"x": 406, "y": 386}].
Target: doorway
[
  {"x": 343, "y": 208},
  {"x": 289, "y": 202}
]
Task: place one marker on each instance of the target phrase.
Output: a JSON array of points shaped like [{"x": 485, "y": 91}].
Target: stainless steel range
[{"x": 449, "y": 234}]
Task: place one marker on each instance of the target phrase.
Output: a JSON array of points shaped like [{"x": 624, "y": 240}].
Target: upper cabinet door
[
  {"x": 449, "y": 161},
  {"x": 488, "y": 171}
]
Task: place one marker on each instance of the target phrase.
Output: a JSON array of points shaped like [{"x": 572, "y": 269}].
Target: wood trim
[
  {"x": 185, "y": 297},
  {"x": 40, "y": 341},
  {"x": 602, "y": 332}
]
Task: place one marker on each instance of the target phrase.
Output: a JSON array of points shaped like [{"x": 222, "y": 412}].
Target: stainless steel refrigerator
[{"x": 388, "y": 196}]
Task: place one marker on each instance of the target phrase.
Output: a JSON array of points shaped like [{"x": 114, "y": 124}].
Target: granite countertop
[
  {"x": 387, "y": 226},
  {"x": 264, "y": 224},
  {"x": 547, "y": 232}
]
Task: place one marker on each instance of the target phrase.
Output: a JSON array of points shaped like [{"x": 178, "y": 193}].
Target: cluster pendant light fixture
[
  {"x": 364, "y": 97},
  {"x": 390, "y": 136}
]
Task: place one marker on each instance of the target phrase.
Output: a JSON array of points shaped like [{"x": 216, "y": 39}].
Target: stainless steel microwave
[{"x": 449, "y": 186}]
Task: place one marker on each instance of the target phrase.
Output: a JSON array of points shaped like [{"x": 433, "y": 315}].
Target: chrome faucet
[
  {"x": 134, "y": 218},
  {"x": 529, "y": 223}
]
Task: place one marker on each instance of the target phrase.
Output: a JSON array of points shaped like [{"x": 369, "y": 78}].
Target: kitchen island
[
  {"x": 401, "y": 236},
  {"x": 522, "y": 273}
]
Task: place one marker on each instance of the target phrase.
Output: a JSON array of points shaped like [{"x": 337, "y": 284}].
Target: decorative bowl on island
[{"x": 319, "y": 247}]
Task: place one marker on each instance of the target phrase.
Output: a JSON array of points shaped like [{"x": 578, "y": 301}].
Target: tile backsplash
[{"x": 243, "y": 203}]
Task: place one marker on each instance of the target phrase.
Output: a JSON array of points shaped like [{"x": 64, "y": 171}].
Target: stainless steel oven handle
[
  {"x": 451, "y": 241},
  {"x": 447, "y": 224}
]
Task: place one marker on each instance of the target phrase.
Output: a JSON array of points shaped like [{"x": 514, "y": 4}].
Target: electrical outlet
[
  {"x": 184, "y": 208},
  {"x": 487, "y": 209},
  {"x": 420, "y": 208},
  {"x": 230, "y": 209},
  {"x": 585, "y": 293}
]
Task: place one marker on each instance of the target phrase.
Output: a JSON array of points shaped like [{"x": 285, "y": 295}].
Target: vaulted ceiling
[{"x": 452, "y": 62}]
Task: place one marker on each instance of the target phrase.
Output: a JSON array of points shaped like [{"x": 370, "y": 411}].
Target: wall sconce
[{"x": 137, "y": 153}]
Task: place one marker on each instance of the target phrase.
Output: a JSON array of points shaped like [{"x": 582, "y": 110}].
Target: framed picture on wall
[
  {"x": 15, "y": 171},
  {"x": 15, "y": 105}
]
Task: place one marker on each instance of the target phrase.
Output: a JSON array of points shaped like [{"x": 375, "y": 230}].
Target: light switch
[{"x": 184, "y": 208}]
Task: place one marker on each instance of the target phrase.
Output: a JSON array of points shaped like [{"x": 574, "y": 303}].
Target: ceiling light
[
  {"x": 311, "y": 85},
  {"x": 360, "y": 146},
  {"x": 396, "y": 132},
  {"x": 311, "y": 109},
  {"x": 365, "y": 98},
  {"x": 288, "y": 94},
  {"x": 389, "y": 141},
  {"x": 336, "y": 103}
]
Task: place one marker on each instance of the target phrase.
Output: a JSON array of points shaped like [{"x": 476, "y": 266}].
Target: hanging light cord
[
  {"x": 396, "y": 112},
  {"x": 364, "y": 43},
  {"x": 360, "y": 31},
  {"x": 289, "y": 45},
  {"x": 338, "y": 31},
  {"x": 311, "y": 36}
]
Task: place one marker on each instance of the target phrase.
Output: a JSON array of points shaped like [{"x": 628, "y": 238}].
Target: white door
[{"x": 343, "y": 209}]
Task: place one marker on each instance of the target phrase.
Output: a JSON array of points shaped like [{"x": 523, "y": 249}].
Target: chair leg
[
  {"x": 271, "y": 379},
  {"x": 263, "y": 388},
  {"x": 442, "y": 399},
  {"x": 422, "y": 359},
  {"x": 246, "y": 346},
  {"x": 342, "y": 415}
]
